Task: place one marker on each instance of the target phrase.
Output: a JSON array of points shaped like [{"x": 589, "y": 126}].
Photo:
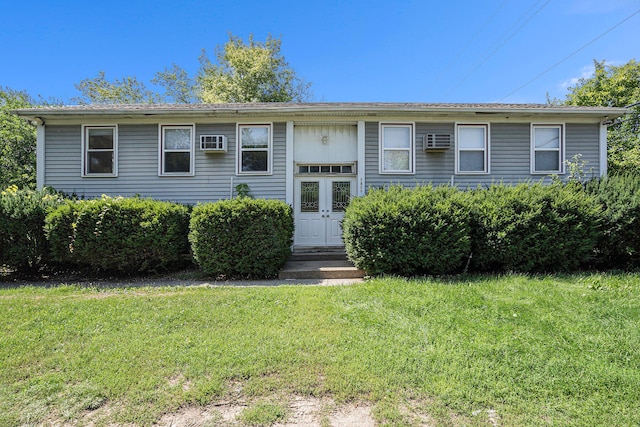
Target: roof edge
[{"x": 330, "y": 108}]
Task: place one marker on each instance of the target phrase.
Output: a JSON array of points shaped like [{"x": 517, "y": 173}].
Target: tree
[
  {"x": 128, "y": 90},
  {"x": 615, "y": 86},
  {"x": 178, "y": 86},
  {"x": 17, "y": 142},
  {"x": 252, "y": 72}
]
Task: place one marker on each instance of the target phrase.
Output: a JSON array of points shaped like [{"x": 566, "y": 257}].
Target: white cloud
[{"x": 585, "y": 72}]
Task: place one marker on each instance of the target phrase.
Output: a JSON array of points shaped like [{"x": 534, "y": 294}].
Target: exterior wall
[
  {"x": 510, "y": 155},
  {"x": 584, "y": 139},
  {"x": 215, "y": 174},
  {"x": 214, "y": 179},
  {"x": 341, "y": 145}
]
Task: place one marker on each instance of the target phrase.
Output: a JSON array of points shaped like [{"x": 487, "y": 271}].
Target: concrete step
[
  {"x": 320, "y": 265},
  {"x": 318, "y": 256}
]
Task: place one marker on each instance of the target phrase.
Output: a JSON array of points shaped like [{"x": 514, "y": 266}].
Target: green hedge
[
  {"x": 242, "y": 238},
  {"x": 619, "y": 240},
  {"x": 23, "y": 244},
  {"x": 533, "y": 227},
  {"x": 403, "y": 231},
  {"x": 124, "y": 235},
  {"x": 443, "y": 230}
]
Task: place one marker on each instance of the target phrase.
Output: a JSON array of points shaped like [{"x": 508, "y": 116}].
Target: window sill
[
  {"x": 254, "y": 174},
  {"x": 547, "y": 173},
  {"x": 396, "y": 173}
]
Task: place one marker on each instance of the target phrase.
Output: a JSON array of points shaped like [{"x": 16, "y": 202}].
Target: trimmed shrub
[
  {"x": 408, "y": 231},
  {"x": 242, "y": 238},
  {"x": 124, "y": 235},
  {"x": 533, "y": 227},
  {"x": 618, "y": 244},
  {"x": 23, "y": 244}
]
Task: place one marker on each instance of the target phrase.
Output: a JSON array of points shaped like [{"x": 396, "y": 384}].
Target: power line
[
  {"x": 494, "y": 51},
  {"x": 571, "y": 55},
  {"x": 473, "y": 38}
]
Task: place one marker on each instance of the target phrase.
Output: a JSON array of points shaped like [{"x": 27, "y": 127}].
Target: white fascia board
[
  {"x": 319, "y": 109},
  {"x": 289, "y": 164},
  {"x": 361, "y": 159}
]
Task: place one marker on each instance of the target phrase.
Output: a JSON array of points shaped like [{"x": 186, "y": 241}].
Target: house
[{"x": 314, "y": 156}]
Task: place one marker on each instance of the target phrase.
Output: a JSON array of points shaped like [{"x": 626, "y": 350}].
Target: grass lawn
[{"x": 510, "y": 350}]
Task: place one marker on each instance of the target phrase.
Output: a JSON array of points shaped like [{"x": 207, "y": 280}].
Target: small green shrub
[
  {"x": 23, "y": 244},
  {"x": 618, "y": 244},
  {"x": 408, "y": 231},
  {"x": 533, "y": 227},
  {"x": 242, "y": 238},
  {"x": 123, "y": 235}
]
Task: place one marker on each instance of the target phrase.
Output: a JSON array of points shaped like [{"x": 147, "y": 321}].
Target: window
[
  {"x": 326, "y": 169},
  {"x": 472, "y": 149},
  {"x": 99, "y": 151},
  {"x": 254, "y": 149},
  {"x": 396, "y": 148},
  {"x": 176, "y": 150},
  {"x": 546, "y": 149}
]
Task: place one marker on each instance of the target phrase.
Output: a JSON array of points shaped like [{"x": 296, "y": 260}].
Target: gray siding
[
  {"x": 215, "y": 174},
  {"x": 63, "y": 157},
  {"x": 510, "y": 155},
  {"x": 583, "y": 139}
]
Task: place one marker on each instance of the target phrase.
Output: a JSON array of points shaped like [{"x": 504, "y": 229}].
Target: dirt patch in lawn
[{"x": 301, "y": 412}]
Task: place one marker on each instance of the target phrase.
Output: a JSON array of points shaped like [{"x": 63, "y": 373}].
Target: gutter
[{"x": 38, "y": 115}]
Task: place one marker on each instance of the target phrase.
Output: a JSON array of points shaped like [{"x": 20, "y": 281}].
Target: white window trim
[
  {"x": 487, "y": 150},
  {"x": 412, "y": 151},
  {"x": 239, "y": 150},
  {"x": 561, "y": 150},
  {"x": 192, "y": 165},
  {"x": 85, "y": 147}
]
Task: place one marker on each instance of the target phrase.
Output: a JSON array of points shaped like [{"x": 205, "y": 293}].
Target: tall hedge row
[
  {"x": 123, "y": 235},
  {"x": 526, "y": 228},
  {"x": 242, "y": 238},
  {"x": 533, "y": 227},
  {"x": 408, "y": 232},
  {"x": 23, "y": 244},
  {"x": 618, "y": 244},
  {"x": 426, "y": 230}
]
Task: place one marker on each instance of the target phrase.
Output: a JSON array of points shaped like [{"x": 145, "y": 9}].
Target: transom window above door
[{"x": 326, "y": 169}]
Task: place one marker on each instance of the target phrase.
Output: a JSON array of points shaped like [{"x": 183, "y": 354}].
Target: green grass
[
  {"x": 263, "y": 414},
  {"x": 533, "y": 350}
]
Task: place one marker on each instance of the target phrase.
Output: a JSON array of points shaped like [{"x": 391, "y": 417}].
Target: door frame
[
  {"x": 296, "y": 152},
  {"x": 320, "y": 228}
]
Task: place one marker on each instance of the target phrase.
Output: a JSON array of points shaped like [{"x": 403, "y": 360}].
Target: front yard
[{"x": 480, "y": 350}]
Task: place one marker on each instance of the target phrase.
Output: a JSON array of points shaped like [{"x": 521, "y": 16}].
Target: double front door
[{"x": 319, "y": 209}]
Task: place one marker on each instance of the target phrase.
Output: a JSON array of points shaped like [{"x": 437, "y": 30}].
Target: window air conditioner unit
[
  {"x": 213, "y": 143},
  {"x": 436, "y": 142}
]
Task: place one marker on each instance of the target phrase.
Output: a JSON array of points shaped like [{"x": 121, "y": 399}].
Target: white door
[{"x": 319, "y": 209}]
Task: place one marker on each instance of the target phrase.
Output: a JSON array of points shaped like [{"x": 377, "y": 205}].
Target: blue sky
[{"x": 359, "y": 51}]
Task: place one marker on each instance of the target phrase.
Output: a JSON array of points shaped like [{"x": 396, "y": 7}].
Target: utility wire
[
  {"x": 444, "y": 70},
  {"x": 494, "y": 51},
  {"x": 571, "y": 55}
]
